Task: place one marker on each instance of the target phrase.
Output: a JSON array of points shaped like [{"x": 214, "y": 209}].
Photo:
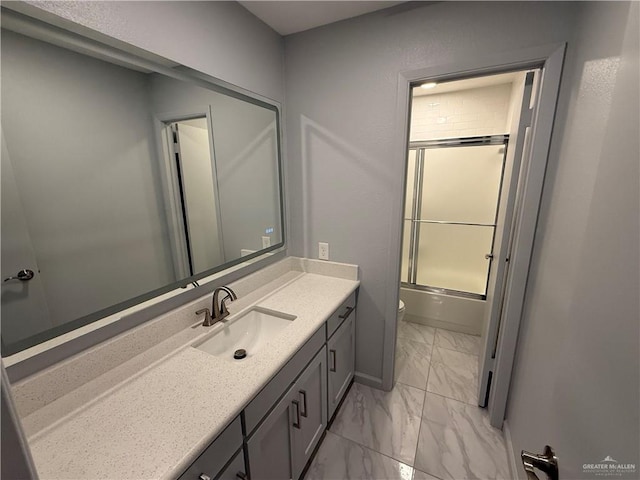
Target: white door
[
  {"x": 24, "y": 306},
  {"x": 197, "y": 172},
  {"x": 507, "y": 210}
]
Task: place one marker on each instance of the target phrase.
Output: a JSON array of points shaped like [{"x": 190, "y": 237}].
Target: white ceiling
[
  {"x": 295, "y": 16},
  {"x": 468, "y": 83}
]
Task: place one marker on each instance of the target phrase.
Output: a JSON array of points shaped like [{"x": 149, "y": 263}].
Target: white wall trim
[{"x": 512, "y": 459}]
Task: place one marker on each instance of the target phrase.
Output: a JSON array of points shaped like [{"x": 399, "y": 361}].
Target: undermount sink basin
[{"x": 250, "y": 333}]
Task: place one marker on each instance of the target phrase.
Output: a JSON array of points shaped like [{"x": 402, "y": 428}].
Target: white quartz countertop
[{"x": 156, "y": 422}]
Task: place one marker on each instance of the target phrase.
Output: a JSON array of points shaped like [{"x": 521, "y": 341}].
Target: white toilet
[{"x": 400, "y": 311}]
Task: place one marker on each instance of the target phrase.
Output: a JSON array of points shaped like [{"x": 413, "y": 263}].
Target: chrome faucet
[{"x": 219, "y": 308}]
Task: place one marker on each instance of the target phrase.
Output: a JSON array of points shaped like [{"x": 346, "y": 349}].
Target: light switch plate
[{"x": 323, "y": 251}]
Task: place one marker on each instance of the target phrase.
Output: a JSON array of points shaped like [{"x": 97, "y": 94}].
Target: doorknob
[
  {"x": 23, "y": 275},
  {"x": 547, "y": 462}
]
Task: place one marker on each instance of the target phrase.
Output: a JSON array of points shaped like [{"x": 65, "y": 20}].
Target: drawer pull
[
  {"x": 304, "y": 403},
  {"x": 204, "y": 476},
  {"x": 296, "y": 424},
  {"x": 332, "y": 355},
  {"x": 346, "y": 313}
]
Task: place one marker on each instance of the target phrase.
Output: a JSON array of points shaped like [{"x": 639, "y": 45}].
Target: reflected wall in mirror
[{"x": 120, "y": 183}]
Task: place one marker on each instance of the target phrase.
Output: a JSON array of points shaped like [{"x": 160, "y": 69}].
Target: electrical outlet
[
  {"x": 266, "y": 242},
  {"x": 323, "y": 251}
]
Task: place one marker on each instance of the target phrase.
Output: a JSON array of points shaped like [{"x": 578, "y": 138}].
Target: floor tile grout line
[
  {"x": 413, "y": 339},
  {"x": 427, "y": 473},
  {"x": 451, "y": 398},
  {"x": 412, "y": 386},
  {"x": 431, "y": 363},
  {"x": 424, "y": 402},
  {"x": 455, "y": 332},
  {"x": 464, "y": 404},
  {"x": 371, "y": 449},
  {"x": 458, "y": 351},
  {"x": 419, "y": 417}
]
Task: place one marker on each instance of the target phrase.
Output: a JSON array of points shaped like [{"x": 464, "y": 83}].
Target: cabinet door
[
  {"x": 310, "y": 412},
  {"x": 214, "y": 458},
  {"x": 269, "y": 447},
  {"x": 340, "y": 362}
]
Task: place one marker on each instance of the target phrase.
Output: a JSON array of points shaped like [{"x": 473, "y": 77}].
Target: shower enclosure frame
[{"x": 414, "y": 240}]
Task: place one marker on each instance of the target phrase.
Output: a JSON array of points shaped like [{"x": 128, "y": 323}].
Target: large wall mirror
[{"x": 122, "y": 179}]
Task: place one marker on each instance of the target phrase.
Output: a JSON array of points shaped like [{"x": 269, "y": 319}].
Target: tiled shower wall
[{"x": 472, "y": 112}]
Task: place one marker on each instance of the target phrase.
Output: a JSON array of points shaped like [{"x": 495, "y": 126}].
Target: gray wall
[
  {"x": 221, "y": 39},
  {"x": 575, "y": 384},
  {"x": 345, "y": 176}
]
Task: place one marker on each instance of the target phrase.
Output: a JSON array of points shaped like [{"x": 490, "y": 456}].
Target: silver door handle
[
  {"x": 547, "y": 462},
  {"x": 23, "y": 275}
]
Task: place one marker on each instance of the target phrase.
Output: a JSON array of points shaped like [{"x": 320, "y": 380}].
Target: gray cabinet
[
  {"x": 284, "y": 422},
  {"x": 281, "y": 446},
  {"x": 341, "y": 362},
  {"x": 282, "y": 381},
  {"x": 311, "y": 392},
  {"x": 269, "y": 448},
  {"x": 215, "y": 457}
]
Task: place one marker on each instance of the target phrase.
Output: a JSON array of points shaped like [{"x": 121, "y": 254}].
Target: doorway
[
  {"x": 191, "y": 191},
  {"x": 516, "y": 217},
  {"x": 459, "y": 191},
  {"x": 198, "y": 187}
]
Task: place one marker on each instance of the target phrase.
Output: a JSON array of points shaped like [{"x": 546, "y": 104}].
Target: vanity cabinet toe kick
[{"x": 277, "y": 433}]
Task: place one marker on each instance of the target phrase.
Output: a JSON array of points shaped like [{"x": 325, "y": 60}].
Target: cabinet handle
[
  {"x": 332, "y": 354},
  {"x": 296, "y": 424},
  {"x": 204, "y": 476},
  {"x": 304, "y": 403},
  {"x": 346, "y": 313},
  {"x": 241, "y": 475}
]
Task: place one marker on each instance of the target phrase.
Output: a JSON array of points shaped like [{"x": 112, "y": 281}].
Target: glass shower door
[{"x": 454, "y": 208}]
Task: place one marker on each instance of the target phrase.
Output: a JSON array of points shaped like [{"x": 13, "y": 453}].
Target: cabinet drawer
[
  {"x": 215, "y": 457},
  {"x": 343, "y": 312},
  {"x": 262, "y": 403}
]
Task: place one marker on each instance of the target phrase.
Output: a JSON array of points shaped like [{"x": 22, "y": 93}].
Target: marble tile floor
[{"x": 427, "y": 428}]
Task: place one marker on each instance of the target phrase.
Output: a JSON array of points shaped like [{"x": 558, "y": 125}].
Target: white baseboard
[
  {"x": 368, "y": 380},
  {"x": 511, "y": 455}
]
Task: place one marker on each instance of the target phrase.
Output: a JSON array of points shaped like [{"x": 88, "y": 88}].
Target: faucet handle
[
  {"x": 208, "y": 320},
  {"x": 223, "y": 305}
]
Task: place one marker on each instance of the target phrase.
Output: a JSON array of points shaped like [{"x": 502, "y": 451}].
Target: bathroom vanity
[{"x": 178, "y": 411}]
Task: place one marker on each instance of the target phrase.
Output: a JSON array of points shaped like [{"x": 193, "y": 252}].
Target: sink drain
[{"x": 240, "y": 354}]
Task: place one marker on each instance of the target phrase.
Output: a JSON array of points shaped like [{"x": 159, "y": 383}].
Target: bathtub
[{"x": 438, "y": 310}]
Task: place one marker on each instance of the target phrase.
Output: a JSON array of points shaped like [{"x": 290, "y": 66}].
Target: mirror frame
[{"x": 142, "y": 60}]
